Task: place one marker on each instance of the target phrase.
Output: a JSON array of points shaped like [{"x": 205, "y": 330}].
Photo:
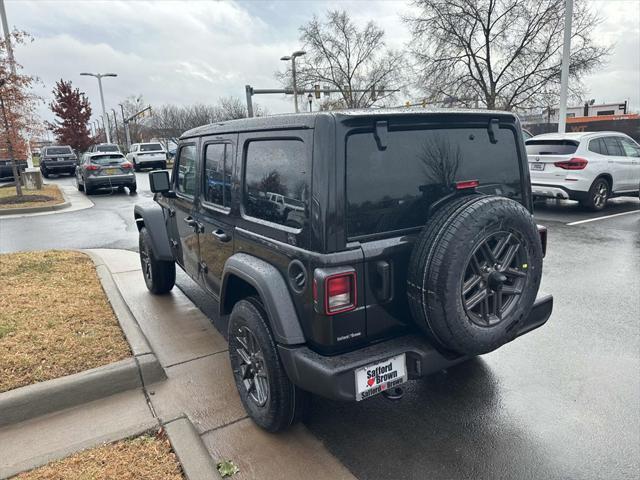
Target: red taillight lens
[
  {"x": 340, "y": 293},
  {"x": 576, "y": 163},
  {"x": 92, "y": 167},
  {"x": 126, "y": 165},
  {"x": 467, "y": 184}
]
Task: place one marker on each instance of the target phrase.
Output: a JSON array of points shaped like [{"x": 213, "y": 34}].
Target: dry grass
[
  {"x": 55, "y": 318},
  {"x": 146, "y": 457},
  {"x": 48, "y": 190}
]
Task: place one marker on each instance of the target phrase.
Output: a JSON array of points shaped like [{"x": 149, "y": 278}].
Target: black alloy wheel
[
  {"x": 494, "y": 278},
  {"x": 251, "y": 366}
]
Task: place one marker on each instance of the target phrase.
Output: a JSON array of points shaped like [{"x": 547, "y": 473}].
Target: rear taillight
[
  {"x": 126, "y": 165},
  {"x": 467, "y": 184},
  {"x": 576, "y": 163},
  {"x": 92, "y": 167},
  {"x": 542, "y": 231},
  {"x": 334, "y": 291}
]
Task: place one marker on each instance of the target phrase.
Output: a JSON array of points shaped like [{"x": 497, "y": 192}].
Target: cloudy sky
[{"x": 196, "y": 52}]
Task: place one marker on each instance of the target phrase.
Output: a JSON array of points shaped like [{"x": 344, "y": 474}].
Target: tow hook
[{"x": 394, "y": 394}]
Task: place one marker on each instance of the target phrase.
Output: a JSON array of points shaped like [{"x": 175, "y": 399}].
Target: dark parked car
[
  {"x": 6, "y": 170},
  {"x": 105, "y": 170},
  {"x": 351, "y": 251},
  {"x": 57, "y": 160}
]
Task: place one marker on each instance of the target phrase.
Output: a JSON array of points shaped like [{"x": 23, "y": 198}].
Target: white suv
[
  {"x": 147, "y": 155},
  {"x": 590, "y": 167}
]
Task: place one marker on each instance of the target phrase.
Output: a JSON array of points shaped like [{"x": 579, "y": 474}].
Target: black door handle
[{"x": 221, "y": 235}]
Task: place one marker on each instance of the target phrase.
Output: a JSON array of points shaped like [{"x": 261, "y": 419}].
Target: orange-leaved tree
[
  {"x": 73, "y": 112},
  {"x": 18, "y": 103}
]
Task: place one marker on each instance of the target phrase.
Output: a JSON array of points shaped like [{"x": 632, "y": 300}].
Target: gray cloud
[{"x": 179, "y": 52}]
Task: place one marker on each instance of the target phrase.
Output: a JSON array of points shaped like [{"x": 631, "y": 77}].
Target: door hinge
[
  {"x": 174, "y": 243},
  {"x": 203, "y": 267}
]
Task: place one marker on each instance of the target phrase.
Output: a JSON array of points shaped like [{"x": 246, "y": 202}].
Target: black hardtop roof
[{"x": 307, "y": 120}]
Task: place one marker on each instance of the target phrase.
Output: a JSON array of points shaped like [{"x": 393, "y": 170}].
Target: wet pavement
[{"x": 560, "y": 402}]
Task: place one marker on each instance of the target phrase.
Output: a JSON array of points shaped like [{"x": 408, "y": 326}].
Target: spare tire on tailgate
[{"x": 474, "y": 273}]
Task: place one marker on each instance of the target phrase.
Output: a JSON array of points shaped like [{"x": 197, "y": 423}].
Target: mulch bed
[{"x": 15, "y": 200}]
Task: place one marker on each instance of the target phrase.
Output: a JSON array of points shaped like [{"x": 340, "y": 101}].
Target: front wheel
[
  {"x": 79, "y": 185},
  {"x": 133, "y": 188},
  {"x": 267, "y": 394},
  {"x": 45, "y": 173},
  {"x": 136, "y": 168},
  {"x": 598, "y": 195},
  {"x": 159, "y": 275}
]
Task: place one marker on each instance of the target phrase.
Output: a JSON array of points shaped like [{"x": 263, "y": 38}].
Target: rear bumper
[
  {"x": 113, "y": 180},
  {"x": 334, "y": 377},
  {"x": 557, "y": 191},
  {"x": 151, "y": 161},
  {"x": 59, "y": 167}
]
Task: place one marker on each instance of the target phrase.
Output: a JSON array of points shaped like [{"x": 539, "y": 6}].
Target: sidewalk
[{"x": 199, "y": 387}]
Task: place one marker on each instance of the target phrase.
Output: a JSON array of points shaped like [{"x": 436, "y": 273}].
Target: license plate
[
  {"x": 536, "y": 166},
  {"x": 111, "y": 171},
  {"x": 376, "y": 378}
]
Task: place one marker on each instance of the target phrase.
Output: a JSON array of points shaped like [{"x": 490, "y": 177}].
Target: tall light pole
[
  {"x": 292, "y": 57},
  {"x": 7, "y": 37},
  {"x": 105, "y": 119},
  {"x": 115, "y": 122},
  {"x": 566, "y": 58}
]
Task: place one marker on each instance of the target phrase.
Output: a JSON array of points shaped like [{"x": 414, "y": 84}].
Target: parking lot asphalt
[{"x": 560, "y": 402}]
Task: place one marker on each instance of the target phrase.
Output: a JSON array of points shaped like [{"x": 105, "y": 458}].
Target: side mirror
[{"x": 159, "y": 181}]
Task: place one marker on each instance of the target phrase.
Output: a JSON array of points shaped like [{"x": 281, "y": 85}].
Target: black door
[
  {"x": 185, "y": 226},
  {"x": 214, "y": 213}
]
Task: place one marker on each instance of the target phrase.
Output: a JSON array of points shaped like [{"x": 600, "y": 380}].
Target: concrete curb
[
  {"x": 45, "y": 397},
  {"x": 192, "y": 454},
  {"x": 44, "y": 208},
  {"x": 52, "y": 395}
]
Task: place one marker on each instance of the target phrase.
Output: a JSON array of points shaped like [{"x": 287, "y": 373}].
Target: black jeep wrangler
[{"x": 350, "y": 252}]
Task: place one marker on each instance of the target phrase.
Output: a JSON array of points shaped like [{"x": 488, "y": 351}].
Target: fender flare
[
  {"x": 152, "y": 218},
  {"x": 273, "y": 291}
]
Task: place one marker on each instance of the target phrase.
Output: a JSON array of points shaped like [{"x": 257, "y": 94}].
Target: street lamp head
[
  {"x": 286, "y": 58},
  {"x": 310, "y": 97},
  {"x": 88, "y": 74},
  {"x": 298, "y": 53},
  {"x": 110, "y": 75}
]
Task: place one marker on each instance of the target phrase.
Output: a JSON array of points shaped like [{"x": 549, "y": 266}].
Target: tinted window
[
  {"x": 551, "y": 147},
  {"x": 630, "y": 148},
  {"x": 186, "y": 182},
  {"x": 106, "y": 159},
  {"x": 107, "y": 148},
  {"x": 217, "y": 174},
  {"x": 150, "y": 147},
  {"x": 58, "y": 151},
  {"x": 598, "y": 146},
  {"x": 613, "y": 146},
  {"x": 276, "y": 188},
  {"x": 392, "y": 189}
]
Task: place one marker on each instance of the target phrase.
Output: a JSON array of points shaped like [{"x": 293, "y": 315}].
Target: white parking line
[{"x": 603, "y": 218}]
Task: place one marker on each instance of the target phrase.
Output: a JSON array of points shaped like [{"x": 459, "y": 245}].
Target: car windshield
[
  {"x": 58, "y": 151},
  {"x": 551, "y": 147},
  {"x": 107, "y": 148},
  {"x": 150, "y": 147},
  {"x": 107, "y": 159}
]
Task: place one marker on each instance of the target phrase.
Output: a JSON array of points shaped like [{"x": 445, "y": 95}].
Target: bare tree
[
  {"x": 501, "y": 54},
  {"x": 168, "y": 122},
  {"x": 347, "y": 58}
]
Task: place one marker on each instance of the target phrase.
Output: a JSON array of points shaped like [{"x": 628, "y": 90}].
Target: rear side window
[
  {"x": 551, "y": 147},
  {"x": 597, "y": 146},
  {"x": 150, "y": 147},
  {"x": 186, "y": 168},
  {"x": 613, "y": 146},
  {"x": 630, "y": 148},
  {"x": 276, "y": 183},
  {"x": 107, "y": 148},
  {"x": 393, "y": 189},
  {"x": 217, "y": 174}
]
